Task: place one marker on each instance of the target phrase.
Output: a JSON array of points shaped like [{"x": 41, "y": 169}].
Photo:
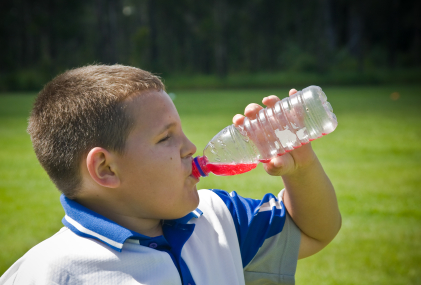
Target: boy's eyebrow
[{"x": 166, "y": 127}]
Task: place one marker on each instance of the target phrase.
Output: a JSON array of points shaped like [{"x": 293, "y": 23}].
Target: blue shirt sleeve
[{"x": 254, "y": 220}]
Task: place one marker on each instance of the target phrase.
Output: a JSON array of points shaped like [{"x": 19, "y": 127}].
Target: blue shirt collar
[{"x": 87, "y": 223}]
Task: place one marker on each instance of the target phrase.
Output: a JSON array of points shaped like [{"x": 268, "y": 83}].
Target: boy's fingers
[
  {"x": 238, "y": 119},
  {"x": 270, "y": 101},
  {"x": 251, "y": 110},
  {"x": 292, "y": 91}
]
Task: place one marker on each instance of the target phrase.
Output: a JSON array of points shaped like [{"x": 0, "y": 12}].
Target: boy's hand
[{"x": 290, "y": 162}]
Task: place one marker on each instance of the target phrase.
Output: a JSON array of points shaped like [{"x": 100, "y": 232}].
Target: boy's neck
[{"x": 147, "y": 227}]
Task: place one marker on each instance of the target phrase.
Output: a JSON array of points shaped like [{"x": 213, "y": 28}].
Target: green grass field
[{"x": 373, "y": 159}]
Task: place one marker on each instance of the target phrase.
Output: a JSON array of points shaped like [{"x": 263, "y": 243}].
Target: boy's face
[{"x": 155, "y": 170}]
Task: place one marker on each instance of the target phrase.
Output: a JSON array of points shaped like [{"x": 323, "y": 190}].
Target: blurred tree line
[{"x": 221, "y": 37}]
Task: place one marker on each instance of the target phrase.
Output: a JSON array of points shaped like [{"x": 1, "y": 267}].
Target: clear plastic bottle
[{"x": 292, "y": 122}]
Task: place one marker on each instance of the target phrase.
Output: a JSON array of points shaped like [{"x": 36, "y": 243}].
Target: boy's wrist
[{"x": 302, "y": 169}]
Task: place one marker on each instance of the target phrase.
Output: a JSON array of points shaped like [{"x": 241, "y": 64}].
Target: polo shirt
[{"x": 228, "y": 239}]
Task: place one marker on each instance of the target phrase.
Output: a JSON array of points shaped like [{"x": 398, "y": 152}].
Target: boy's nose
[{"x": 189, "y": 148}]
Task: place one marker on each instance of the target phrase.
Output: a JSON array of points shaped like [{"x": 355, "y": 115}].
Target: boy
[{"x": 111, "y": 140}]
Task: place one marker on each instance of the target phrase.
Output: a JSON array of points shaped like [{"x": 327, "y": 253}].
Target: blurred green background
[
  {"x": 218, "y": 56},
  {"x": 373, "y": 159}
]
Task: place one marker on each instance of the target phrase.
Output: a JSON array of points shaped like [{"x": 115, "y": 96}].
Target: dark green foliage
[{"x": 44, "y": 37}]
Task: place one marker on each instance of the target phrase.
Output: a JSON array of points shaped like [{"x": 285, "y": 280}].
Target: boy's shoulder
[
  {"x": 52, "y": 258},
  {"x": 55, "y": 247},
  {"x": 62, "y": 245}
]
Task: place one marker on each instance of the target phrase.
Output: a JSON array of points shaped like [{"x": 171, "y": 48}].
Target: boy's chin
[
  {"x": 195, "y": 202},
  {"x": 196, "y": 194}
]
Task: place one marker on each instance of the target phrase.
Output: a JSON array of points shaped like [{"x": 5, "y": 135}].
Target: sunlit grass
[{"x": 373, "y": 159}]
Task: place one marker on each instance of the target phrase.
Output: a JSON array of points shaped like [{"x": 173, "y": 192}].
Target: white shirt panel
[{"x": 219, "y": 259}]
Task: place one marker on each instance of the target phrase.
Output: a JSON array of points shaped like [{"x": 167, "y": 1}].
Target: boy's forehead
[
  {"x": 150, "y": 100},
  {"x": 152, "y": 108}
]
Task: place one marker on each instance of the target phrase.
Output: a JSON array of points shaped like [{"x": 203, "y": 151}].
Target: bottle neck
[{"x": 199, "y": 168}]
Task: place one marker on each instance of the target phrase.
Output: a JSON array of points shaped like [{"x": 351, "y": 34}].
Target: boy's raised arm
[{"x": 309, "y": 195}]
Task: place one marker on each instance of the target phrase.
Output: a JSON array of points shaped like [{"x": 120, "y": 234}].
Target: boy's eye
[{"x": 164, "y": 139}]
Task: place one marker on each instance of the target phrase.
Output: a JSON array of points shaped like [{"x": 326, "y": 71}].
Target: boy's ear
[{"x": 101, "y": 167}]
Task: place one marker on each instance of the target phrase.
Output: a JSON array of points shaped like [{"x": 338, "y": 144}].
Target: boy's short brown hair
[{"x": 81, "y": 109}]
